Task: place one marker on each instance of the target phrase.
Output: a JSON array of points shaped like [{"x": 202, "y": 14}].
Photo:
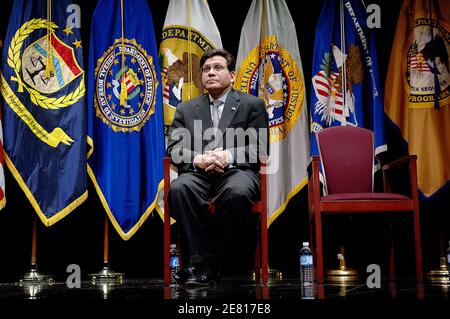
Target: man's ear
[{"x": 233, "y": 76}]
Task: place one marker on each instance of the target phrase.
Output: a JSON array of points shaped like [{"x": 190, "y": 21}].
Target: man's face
[{"x": 216, "y": 77}]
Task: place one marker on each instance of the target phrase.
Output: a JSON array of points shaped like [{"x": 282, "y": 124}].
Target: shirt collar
[{"x": 222, "y": 98}]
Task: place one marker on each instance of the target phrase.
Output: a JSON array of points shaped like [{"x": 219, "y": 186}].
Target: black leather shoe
[
  {"x": 183, "y": 274},
  {"x": 203, "y": 276},
  {"x": 195, "y": 292}
]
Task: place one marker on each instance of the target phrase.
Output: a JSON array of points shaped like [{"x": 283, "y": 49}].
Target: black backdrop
[{"x": 78, "y": 238}]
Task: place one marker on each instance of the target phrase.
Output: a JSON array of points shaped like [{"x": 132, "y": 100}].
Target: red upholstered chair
[
  {"x": 259, "y": 207},
  {"x": 347, "y": 158}
]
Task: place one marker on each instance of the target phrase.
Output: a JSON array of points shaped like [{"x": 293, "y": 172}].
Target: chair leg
[
  {"x": 166, "y": 248},
  {"x": 418, "y": 246},
  {"x": 311, "y": 235},
  {"x": 391, "y": 253},
  {"x": 264, "y": 249},
  {"x": 319, "y": 253},
  {"x": 166, "y": 229},
  {"x": 258, "y": 261}
]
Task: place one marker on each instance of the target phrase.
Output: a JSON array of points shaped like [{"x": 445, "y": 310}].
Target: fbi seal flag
[{"x": 125, "y": 115}]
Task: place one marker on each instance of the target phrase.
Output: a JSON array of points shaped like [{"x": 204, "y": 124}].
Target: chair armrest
[
  {"x": 398, "y": 162},
  {"x": 410, "y": 161}
]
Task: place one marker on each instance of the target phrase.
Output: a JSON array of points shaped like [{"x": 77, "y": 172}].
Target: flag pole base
[
  {"x": 441, "y": 275},
  {"x": 274, "y": 274},
  {"x": 342, "y": 275},
  {"x": 107, "y": 276},
  {"x": 35, "y": 278},
  {"x": 33, "y": 282}
]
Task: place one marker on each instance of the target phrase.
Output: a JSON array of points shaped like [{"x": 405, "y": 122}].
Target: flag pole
[
  {"x": 106, "y": 242},
  {"x": 33, "y": 281},
  {"x": 106, "y": 277}
]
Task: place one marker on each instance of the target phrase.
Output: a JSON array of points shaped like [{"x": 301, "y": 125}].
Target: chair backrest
[{"x": 347, "y": 158}]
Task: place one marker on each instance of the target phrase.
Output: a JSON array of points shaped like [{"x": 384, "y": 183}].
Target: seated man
[{"x": 216, "y": 141}]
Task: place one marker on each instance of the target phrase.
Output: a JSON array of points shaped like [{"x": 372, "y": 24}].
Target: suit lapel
[
  {"x": 203, "y": 113},
  {"x": 229, "y": 110}
]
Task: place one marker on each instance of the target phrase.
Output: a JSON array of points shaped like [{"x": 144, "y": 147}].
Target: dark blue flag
[
  {"x": 125, "y": 117},
  {"x": 43, "y": 95},
  {"x": 345, "y": 84}
]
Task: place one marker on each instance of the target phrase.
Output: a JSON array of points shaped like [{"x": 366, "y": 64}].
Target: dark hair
[{"x": 231, "y": 61}]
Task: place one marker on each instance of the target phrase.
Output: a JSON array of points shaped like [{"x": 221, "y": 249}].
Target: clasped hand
[{"x": 214, "y": 161}]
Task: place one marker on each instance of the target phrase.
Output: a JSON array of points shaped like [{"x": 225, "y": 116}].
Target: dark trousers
[{"x": 205, "y": 235}]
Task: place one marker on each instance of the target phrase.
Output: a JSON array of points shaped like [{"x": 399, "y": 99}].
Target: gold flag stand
[
  {"x": 33, "y": 281},
  {"x": 106, "y": 278},
  {"x": 274, "y": 274},
  {"x": 442, "y": 274},
  {"x": 343, "y": 274}
]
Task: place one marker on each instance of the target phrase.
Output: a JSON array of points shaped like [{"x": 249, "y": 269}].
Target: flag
[
  {"x": 2, "y": 161},
  {"x": 43, "y": 95},
  {"x": 269, "y": 66},
  {"x": 189, "y": 31},
  {"x": 125, "y": 116},
  {"x": 417, "y": 98},
  {"x": 345, "y": 82},
  {"x": 2, "y": 165}
]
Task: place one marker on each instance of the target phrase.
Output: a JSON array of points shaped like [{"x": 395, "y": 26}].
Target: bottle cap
[
  {"x": 173, "y": 245},
  {"x": 305, "y": 244}
]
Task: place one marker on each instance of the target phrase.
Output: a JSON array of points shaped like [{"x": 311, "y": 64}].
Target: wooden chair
[
  {"x": 347, "y": 158},
  {"x": 259, "y": 207}
]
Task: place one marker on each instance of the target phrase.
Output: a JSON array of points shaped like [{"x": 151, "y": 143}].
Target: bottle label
[
  {"x": 306, "y": 260},
  {"x": 174, "y": 262}
]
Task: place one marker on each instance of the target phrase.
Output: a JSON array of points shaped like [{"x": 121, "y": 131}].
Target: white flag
[
  {"x": 269, "y": 66},
  {"x": 189, "y": 31}
]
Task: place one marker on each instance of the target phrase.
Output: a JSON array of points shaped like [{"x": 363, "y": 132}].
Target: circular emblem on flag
[
  {"x": 180, "y": 53},
  {"x": 427, "y": 67},
  {"x": 270, "y": 72},
  {"x": 43, "y": 71},
  {"x": 45, "y": 66},
  {"x": 125, "y": 86}
]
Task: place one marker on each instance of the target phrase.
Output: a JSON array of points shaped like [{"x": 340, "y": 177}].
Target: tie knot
[{"x": 217, "y": 102}]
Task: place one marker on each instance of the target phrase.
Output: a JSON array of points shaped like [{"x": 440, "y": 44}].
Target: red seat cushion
[{"x": 364, "y": 196}]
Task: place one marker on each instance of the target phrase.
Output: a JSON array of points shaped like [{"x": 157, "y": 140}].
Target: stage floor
[
  {"x": 228, "y": 287},
  {"x": 232, "y": 297}
]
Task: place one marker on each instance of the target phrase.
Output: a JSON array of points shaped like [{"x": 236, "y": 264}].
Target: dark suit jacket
[{"x": 192, "y": 130}]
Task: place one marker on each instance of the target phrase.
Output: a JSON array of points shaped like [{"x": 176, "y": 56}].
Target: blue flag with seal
[
  {"x": 345, "y": 82},
  {"x": 43, "y": 101},
  {"x": 125, "y": 116}
]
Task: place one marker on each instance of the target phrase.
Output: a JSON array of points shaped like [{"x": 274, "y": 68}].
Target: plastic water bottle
[
  {"x": 307, "y": 292},
  {"x": 174, "y": 262},
  {"x": 448, "y": 255},
  {"x": 306, "y": 265}
]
